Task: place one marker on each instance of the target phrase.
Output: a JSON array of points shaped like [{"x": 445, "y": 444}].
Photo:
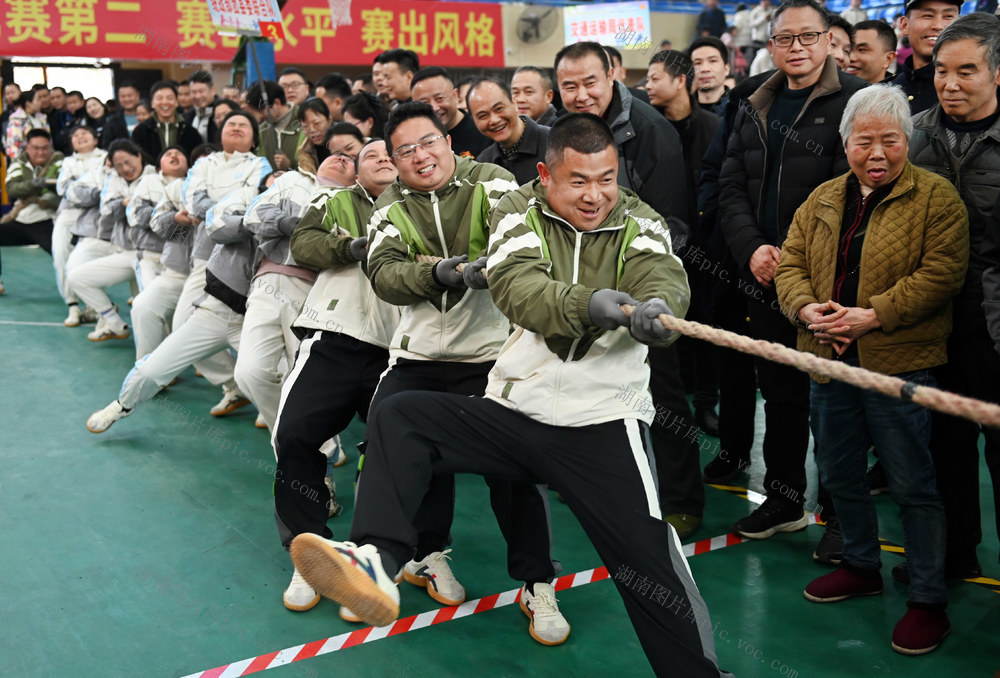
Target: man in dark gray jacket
[{"x": 959, "y": 138}]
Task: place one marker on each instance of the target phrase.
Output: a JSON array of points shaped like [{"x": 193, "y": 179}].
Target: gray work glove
[
  {"x": 605, "y": 309},
  {"x": 359, "y": 248},
  {"x": 445, "y": 273},
  {"x": 38, "y": 182},
  {"x": 474, "y": 274},
  {"x": 288, "y": 223},
  {"x": 646, "y": 325}
]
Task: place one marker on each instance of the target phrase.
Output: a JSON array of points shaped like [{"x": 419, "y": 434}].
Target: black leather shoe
[{"x": 708, "y": 421}]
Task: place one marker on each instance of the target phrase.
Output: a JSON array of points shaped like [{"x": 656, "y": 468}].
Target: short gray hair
[
  {"x": 983, "y": 28},
  {"x": 882, "y": 101}
]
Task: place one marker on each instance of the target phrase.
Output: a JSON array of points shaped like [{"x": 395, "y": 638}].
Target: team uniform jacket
[
  {"x": 112, "y": 219},
  {"x": 289, "y": 195},
  {"x": 177, "y": 239},
  {"x": 140, "y": 211},
  {"x": 214, "y": 177},
  {"x": 342, "y": 299},
  {"x": 556, "y": 367},
  {"x": 233, "y": 260},
  {"x": 85, "y": 194},
  {"x": 438, "y": 323},
  {"x": 74, "y": 167}
]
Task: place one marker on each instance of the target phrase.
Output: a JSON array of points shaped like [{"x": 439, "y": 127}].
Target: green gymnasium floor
[{"x": 151, "y": 551}]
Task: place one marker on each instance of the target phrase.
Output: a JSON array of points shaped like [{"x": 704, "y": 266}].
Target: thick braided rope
[
  {"x": 934, "y": 398},
  {"x": 984, "y": 413}
]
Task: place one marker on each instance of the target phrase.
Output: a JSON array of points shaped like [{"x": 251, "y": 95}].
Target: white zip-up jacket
[
  {"x": 112, "y": 219},
  {"x": 85, "y": 194},
  {"x": 74, "y": 167},
  {"x": 274, "y": 214},
  {"x": 177, "y": 239},
  {"x": 140, "y": 209}
]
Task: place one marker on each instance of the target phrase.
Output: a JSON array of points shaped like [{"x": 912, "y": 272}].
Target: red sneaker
[
  {"x": 840, "y": 585},
  {"x": 920, "y": 631}
]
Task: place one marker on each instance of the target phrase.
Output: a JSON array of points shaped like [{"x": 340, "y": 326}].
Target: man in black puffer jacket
[{"x": 785, "y": 143}]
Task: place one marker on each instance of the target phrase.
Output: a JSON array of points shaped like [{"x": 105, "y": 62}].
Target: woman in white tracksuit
[
  {"x": 135, "y": 255},
  {"x": 87, "y": 157},
  {"x": 217, "y": 320},
  {"x": 169, "y": 300},
  {"x": 149, "y": 326},
  {"x": 93, "y": 237},
  {"x": 280, "y": 286}
]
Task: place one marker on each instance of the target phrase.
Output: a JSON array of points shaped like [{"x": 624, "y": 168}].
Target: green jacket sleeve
[
  {"x": 396, "y": 277},
  {"x": 650, "y": 270},
  {"x": 316, "y": 241},
  {"x": 519, "y": 278},
  {"x": 19, "y": 177}
]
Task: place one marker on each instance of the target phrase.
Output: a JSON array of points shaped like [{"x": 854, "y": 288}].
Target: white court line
[{"x": 29, "y": 322}]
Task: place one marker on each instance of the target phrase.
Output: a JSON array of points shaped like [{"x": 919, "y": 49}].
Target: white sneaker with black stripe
[{"x": 548, "y": 626}]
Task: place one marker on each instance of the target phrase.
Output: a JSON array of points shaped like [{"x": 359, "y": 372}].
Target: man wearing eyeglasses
[
  {"x": 294, "y": 83},
  {"x": 448, "y": 338},
  {"x": 784, "y": 144}
]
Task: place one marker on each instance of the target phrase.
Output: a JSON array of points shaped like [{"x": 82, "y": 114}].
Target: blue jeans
[{"x": 846, "y": 421}]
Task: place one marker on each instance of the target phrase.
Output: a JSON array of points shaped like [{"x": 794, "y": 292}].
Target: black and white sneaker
[{"x": 774, "y": 515}]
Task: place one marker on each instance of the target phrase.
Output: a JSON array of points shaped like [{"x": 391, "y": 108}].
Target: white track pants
[
  {"x": 211, "y": 328},
  {"x": 275, "y": 301},
  {"x": 153, "y": 310}
]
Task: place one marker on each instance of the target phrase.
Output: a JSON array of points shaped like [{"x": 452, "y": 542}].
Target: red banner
[{"x": 442, "y": 33}]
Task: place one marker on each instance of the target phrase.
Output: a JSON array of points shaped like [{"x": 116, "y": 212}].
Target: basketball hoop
[{"x": 340, "y": 13}]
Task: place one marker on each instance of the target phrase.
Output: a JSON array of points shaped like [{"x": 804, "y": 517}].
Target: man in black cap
[{"x": 923, "y": 23}]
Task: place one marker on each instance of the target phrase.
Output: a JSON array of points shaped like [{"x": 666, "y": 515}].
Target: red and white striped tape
[{"x": 370, "y": 634}]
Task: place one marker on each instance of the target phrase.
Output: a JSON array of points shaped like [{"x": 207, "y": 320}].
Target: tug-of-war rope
[{"x": 978, "y": 411}]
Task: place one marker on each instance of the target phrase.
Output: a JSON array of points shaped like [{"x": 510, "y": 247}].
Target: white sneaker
[
  {"x": 259, "y": 421},
  {"x": 348, "y": 616},
  {"x": 434, "y": 574},
  {"x": 75, "y": 316},
  {"x": 548, "y": 626},
  {"x": 232, "y": 400},
  {"x": 105, "y": 331},
  {"x": 299, "y": 596},
  {"x": 349, "y": 574},
  {"x": 334, "y": 451},
  {"x": 101, "y": 420}
]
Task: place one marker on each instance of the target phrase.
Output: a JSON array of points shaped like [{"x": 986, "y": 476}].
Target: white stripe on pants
[
  {"x": 217, "y": 369},
  {"x": 274, "y": 303},
  {"x": 211, "y": 328},
  {"x": 153, "y": 310},
  {"x": 62, "y": 246}
]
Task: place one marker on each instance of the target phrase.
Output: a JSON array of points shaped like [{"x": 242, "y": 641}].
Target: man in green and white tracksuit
[
  {"x": 565, "y": 252},
  {"x": 449, "y": 336},
  {"x": 345, "y": 332}
]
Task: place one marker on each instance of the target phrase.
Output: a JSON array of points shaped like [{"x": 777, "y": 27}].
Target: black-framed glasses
[
  {"x": 786, "y": 39},
  {"x": 406, "y": 152}
]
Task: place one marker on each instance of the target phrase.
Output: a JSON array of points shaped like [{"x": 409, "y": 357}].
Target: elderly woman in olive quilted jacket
[{"x": 868, "y": 270}]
